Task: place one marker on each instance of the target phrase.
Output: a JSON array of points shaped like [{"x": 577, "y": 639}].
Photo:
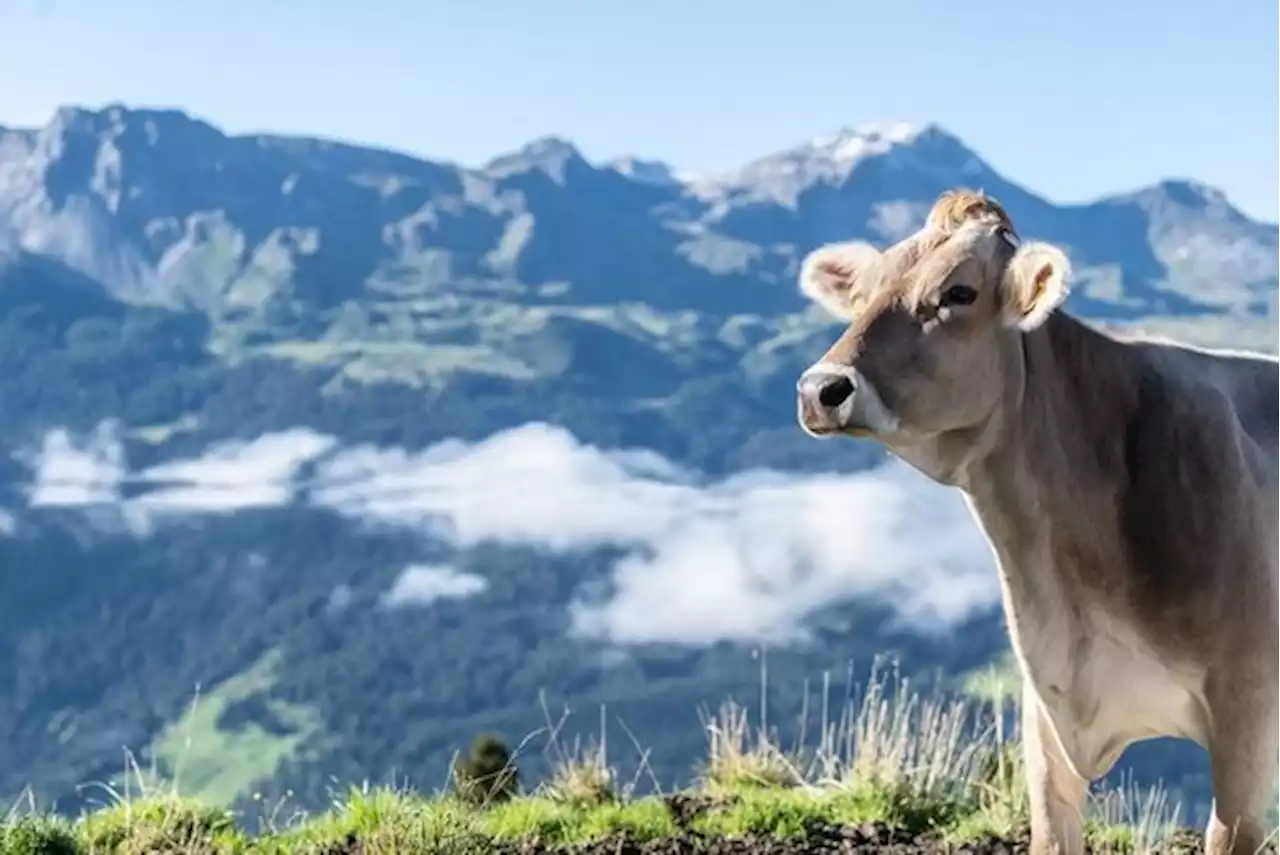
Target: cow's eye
[{"x": 959, "y": 295}]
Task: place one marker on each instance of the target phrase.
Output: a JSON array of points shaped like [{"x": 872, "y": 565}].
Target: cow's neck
[
  {"x": 1054, "y": 445},
  {"x": 1052, "y": 454},
  {"x": 1063, "y": 417}
]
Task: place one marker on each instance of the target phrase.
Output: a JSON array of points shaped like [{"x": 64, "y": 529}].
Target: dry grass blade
[
  {"x": 1132, "y": 818},
  {"x": 736, "y": 759},
  {"x": 897, "y": 739},
  {"x": 583, "y": 777}
]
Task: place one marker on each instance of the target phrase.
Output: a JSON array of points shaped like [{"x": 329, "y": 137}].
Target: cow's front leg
[
  {"x": 1057, "y": 793},
  {"x": 1242, "y": 751}
]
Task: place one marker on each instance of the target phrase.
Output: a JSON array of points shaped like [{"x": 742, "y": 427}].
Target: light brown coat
[{"x": 1128, "y": 489}]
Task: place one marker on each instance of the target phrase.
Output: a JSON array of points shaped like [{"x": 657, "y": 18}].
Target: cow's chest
[{"x": 1101, "y": 684}]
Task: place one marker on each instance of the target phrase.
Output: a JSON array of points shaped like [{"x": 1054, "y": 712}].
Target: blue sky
[{"x": 1072, "y": 99}]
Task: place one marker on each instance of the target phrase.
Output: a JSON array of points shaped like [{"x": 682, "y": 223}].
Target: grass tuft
[
  {"x": 33, "y": 835},
  {"x": 583, "y": 778},
  {"x": 737, "y": 760},
  {"x": 160, "y": 824}
]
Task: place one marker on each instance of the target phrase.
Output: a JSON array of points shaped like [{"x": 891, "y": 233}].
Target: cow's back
[
  {"x": 1251, "y": 382},
  {"x": 1200, "y": 488}
]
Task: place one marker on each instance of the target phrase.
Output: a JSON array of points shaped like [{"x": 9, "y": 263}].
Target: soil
[
  {"x": 858, "y": 840},
  {"x": 818, "y": 839}
]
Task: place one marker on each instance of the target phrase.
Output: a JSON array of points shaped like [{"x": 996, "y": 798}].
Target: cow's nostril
[{"x": 835, "y": 392}]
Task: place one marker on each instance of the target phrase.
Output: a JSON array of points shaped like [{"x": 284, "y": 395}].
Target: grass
[
  {"x": 913, "y": 763},
  {"x": 214, "y": 764}
]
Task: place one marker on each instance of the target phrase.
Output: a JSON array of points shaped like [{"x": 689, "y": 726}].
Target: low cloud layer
[
  {"x": 745, "y": 558},
  {"x": 234, "y": 476},
  {"x": 91, "y": 472}
]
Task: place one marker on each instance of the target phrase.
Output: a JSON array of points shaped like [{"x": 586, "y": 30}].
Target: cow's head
[{"x": 934, "y": 324}]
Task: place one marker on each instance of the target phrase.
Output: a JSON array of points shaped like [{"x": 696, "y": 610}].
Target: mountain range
[{"x": 321, "y": 458}]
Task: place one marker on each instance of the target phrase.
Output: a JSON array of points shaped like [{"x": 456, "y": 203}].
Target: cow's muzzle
[{"x": 826, "y": 398}]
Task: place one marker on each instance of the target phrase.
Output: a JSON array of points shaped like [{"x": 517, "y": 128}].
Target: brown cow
[{"x": 1128, "y": 489}]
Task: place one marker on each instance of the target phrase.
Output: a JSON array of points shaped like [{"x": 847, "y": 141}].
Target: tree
[{"x": 486, "y": 775}]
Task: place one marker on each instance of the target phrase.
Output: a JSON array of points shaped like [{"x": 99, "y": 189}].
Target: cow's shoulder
[
  {"x": 1193, "y": 499},
  {"x": 1161, "y": 498}
]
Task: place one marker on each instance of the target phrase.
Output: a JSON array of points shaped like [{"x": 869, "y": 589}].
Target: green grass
[
  {"x": 213, "y": 765},
  {"x": 921, "y": 765},
  {"x": 999, "y": 681}
]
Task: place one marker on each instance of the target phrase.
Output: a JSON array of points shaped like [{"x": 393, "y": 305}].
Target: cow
[{"x": 1127, "y": 488}]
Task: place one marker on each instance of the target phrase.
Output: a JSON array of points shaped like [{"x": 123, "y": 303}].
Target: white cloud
[
  {"x": 233, "y": 476},
  {"x": 339, "y": 599},
  {"x": 745, "y": 558},
  {"x": 228, "y": 477},
  {"x": 533, "y": 485},
  {"x": 422, "y": 584},
  {"x": 761, "y": 553},
  {"x": 72, "y": 474}
]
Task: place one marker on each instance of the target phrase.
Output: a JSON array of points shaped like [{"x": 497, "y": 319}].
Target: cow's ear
[
  {"x": 829, "y": 275},
  {"x": 1036, "y": 281}
]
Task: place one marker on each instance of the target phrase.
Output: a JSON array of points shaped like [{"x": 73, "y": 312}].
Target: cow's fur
[{"x": 1128, "y": 489}]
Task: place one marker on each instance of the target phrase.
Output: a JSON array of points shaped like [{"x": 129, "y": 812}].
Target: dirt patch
[
  {"x": 351, "y": 845},
  {"x": 866, "y": 839},
  {"x": 817, "y": 840},
  {"x": 861, "y": 839}
]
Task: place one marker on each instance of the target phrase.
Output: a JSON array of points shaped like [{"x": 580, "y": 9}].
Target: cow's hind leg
[
  {"x": 1242, "y": 751},
  {"x": 1057, "y": 793}
]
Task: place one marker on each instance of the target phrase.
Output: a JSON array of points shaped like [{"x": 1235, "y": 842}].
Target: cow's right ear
[{"x": 830, "y": 273}]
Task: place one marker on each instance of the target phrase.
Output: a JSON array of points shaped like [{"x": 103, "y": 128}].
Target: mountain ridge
[
  {"x": 131, "y": 196},
  {"x": 880, "y": 136}
]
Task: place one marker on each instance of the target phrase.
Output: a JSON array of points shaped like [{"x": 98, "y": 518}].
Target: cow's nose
[{"x": 828, "y": 390}]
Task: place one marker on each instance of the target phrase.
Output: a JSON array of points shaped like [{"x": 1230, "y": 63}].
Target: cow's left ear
[{"x": 1036, "y": 281}]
